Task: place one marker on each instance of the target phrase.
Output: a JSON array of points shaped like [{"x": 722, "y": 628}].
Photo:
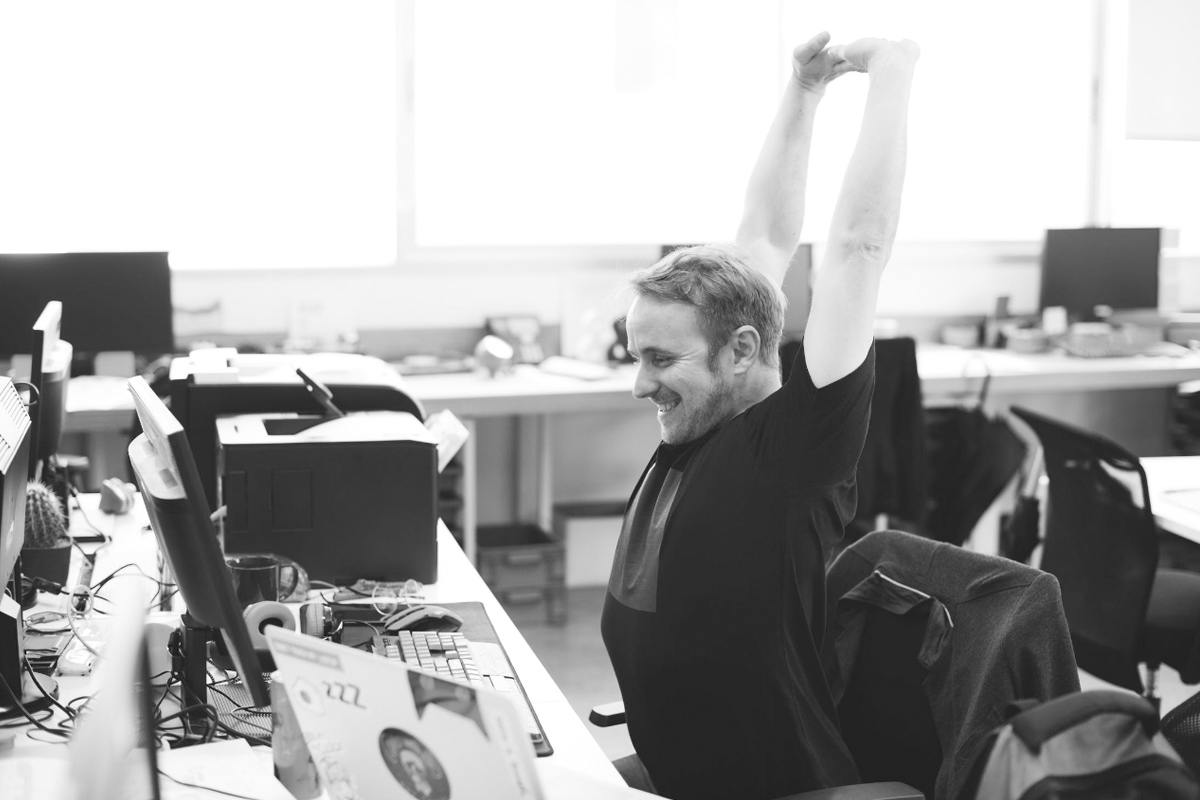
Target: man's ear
[{"x": 747, "y": 348}]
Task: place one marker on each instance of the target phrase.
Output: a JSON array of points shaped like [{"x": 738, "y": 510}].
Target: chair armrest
[
  {"x": 885, "y": 790},
  {"x": 607, "y": 715}
]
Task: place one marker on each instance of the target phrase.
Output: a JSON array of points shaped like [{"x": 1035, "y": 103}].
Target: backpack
[{"x": 1098, "y": 744}]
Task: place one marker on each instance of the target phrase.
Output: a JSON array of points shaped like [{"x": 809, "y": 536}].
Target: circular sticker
[
  {"x": 414, "y": 765},
  {"x": 307, "y": 696}
]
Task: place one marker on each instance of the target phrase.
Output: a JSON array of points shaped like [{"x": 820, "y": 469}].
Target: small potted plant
[{"x": 46, "y": 553}]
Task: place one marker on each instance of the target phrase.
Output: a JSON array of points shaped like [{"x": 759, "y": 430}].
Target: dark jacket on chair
[{"x": 995, "y": 633}]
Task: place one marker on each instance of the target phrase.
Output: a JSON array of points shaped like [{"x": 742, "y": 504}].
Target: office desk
[
  {"x": 576, "y": 752},
  {"x": 1171, "y": 474},
  {"x": 1104, "y": 394},
  {"x": 949, "y": 376}
]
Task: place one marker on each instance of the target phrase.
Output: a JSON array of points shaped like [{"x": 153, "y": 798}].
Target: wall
[{"x": 601, "y": 455}]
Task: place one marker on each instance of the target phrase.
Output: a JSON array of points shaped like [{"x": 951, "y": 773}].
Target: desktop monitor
[
  {"x": 111, "y": 301},
  {"x": 179, "y": 513},
  {"x": 50, "y": 374},
  {"x": 1088, "y": 267},
  {"x": 16, "y": 433}
]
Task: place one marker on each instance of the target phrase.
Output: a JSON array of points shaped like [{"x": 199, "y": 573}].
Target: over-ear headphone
[
  {"x": 259, "y": 617},
  {"x": 316, "y": 619}
]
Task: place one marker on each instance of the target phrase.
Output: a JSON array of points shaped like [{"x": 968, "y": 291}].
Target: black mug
[{"x": 259, "y": 577}]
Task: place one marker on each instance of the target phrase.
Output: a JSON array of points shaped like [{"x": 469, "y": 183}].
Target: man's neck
[{"x": 755, "y": 386}]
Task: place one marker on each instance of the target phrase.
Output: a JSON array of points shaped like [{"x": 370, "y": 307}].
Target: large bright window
[
  {"x": 628, "y": 121},
  {"x": 1152, "y": 128},
  {"x": 232, "y": 134},
  {"x": 998, "y": 122},
  {"x": 541, "y": 122}
]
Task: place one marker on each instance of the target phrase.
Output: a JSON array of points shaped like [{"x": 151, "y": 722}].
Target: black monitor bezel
[
  {"x": 49, "y": 412},
  {"x": 189, "y": 543},
  {"x": 98, "y": 290},
  {"x": 1137, "y": 289}
]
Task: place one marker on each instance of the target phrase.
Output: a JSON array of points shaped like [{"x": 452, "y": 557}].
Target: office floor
[{"x": 575, "y": 657}]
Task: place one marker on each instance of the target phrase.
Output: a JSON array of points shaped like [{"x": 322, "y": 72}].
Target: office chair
[
  {"x": 1102, "y": 543},
  {"x": 892, "y": 481},
  {"x": 926, "y": 645}
]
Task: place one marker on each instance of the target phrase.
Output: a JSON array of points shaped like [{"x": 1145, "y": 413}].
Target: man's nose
[{"x": 643, "y": 384}]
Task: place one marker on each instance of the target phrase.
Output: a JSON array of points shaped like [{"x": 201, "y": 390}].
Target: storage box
[
  {"x": 523, "y": 563},
  {"x": 589, "y": 533}
]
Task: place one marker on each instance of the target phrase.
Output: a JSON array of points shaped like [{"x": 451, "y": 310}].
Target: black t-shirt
[{"x": 715, "y": 608}]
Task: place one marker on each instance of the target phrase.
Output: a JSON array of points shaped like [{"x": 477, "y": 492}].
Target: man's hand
[
  {"x": 814, "y": 67},
  {"x": 863, "y": 54}
]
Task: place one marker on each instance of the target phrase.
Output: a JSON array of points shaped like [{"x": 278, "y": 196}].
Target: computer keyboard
[{"x": 452, "y": 655}]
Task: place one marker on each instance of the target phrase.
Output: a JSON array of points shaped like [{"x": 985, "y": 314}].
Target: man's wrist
[{"x": 816, "y": 92}]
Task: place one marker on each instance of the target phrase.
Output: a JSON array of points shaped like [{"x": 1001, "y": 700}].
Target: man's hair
[{"x": 718, "y": 280}]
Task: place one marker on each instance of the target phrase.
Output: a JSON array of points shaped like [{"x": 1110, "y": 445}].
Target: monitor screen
[
  {"x": 50, "y": 374},
  {"x": 1088, "y": 267},
  {"x": 111, "y": 301},
  {"x": 15, "y": 440},
  {"x": 179, "y": 513}
]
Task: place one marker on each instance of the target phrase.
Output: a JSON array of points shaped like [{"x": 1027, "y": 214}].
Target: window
[{"x": 232, "y": 134}]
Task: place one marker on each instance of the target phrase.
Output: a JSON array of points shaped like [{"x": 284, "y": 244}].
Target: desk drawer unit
[{"x": 522, "y": 564}]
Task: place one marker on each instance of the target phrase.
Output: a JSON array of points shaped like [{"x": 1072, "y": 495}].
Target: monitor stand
[{"x": 196, "y": 644}]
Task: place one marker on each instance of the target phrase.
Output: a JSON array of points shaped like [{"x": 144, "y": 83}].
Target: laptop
[{"x": 377, "y": 729}]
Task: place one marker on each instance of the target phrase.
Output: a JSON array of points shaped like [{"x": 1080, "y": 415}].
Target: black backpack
[{"x": 1100, "y": 745}]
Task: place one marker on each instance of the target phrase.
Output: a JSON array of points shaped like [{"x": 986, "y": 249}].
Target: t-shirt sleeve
[{"x": 803, "y": 436}]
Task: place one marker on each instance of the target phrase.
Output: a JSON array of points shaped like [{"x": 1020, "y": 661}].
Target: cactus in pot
[{"x": 46, "y": 552}]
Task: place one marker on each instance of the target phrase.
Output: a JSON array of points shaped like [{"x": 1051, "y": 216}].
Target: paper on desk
[
  {"x": 449, "y": 433},
  {"x": 230, "y": 766}
]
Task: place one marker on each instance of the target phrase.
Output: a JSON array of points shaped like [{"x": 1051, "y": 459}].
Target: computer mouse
[{"x": 423, "y": 618}]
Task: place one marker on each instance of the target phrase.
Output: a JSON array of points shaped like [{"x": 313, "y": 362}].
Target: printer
[
  {"x": 207, "y": 383},
  {"x": 346, "y": 497},
  {"x": 344, "y": 502}
]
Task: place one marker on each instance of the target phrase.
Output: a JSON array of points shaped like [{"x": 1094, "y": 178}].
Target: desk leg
[
  {"x": 469, "y": 497},
  {"x": 534, "y": 466}
]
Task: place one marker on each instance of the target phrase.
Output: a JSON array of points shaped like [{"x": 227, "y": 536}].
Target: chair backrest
[
  {"x": 891, "y": 473},
  {"x": 1100, "y": 542},
  {"x": 884, "y": 712},
  {"x": 927, "y": 643}
]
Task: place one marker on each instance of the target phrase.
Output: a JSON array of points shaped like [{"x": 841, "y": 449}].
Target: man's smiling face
[{"x": 674, "y": 370}]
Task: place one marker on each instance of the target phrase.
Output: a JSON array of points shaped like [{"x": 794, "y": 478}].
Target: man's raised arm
[
  {"x": 841, "y": 321},
  {"x": 774, "y": 206}
]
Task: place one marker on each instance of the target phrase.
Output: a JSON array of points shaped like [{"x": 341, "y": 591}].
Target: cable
[
  {"x": 53, "y": 700},
  {"x": 86, "y": 518},
  {"x": 21, "y": 707}
]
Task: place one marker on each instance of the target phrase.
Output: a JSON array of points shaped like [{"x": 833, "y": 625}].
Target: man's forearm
[
  {"x": 774, "y": 203},
  {"x": 868, "y": 207}
]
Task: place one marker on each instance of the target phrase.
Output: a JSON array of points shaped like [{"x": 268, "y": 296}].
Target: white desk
[
  {"x": 577, "y": 762},
  {"x": 1171, "y": 474}
]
